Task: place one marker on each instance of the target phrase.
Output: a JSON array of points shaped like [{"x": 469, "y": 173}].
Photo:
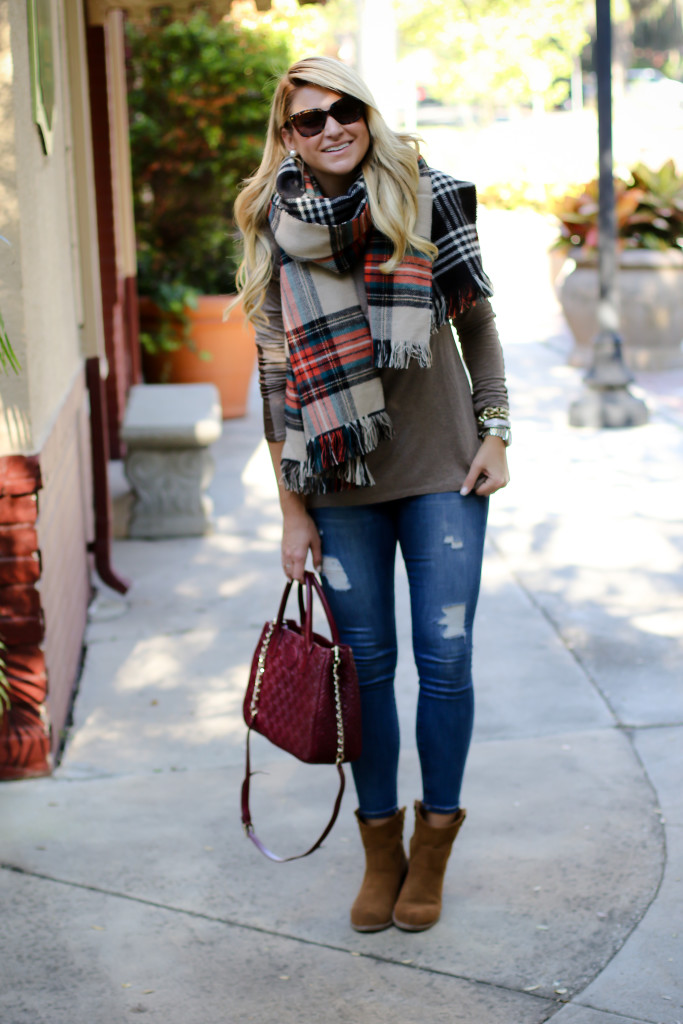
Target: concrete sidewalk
[{"x": 127, "y": 883}]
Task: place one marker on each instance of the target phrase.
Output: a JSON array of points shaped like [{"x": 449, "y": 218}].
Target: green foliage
[
  {"x": 199, "y": 97},
  {"x": 496, "y": 53},
  {"x": 649, "y": 211},
  {"x": 511, "y": 195},
  {"x": 8, "y": 360}
]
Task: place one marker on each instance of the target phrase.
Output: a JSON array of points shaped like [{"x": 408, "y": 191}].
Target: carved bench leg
[{"x": 169, "y": 487}]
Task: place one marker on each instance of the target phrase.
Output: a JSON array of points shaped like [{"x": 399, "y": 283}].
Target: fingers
[
  {"x": 294, "y": 567},
  {"x": 493, "y": 482},
  {"x": 489, "y": 470},
  {"x": 470, "y": 480},
  {"x": 316, "y": 552},
  {"x": 299, "y": 537},
  {"x": 489, "y": 482},
  {"x": 488, "y": 487}
]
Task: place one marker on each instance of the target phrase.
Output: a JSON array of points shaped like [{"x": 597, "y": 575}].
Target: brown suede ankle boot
[
  {"x": 385, "y": 869},
  {"x": 419, "y": 903}
]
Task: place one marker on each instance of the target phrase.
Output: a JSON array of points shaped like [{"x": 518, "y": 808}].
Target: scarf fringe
[
  {"x": 335, "y": 460},
  {"x": 349, "y": 440},
  {"x": 398, "y": 354},
  {"x": 460, "y": 302},
  {"x": 353, "y": 473}
]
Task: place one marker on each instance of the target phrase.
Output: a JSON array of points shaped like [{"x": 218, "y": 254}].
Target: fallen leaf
[
  {"x": 531, "y": 988},
  {"x": 148, "y": 992},
  {"x": 284, "y": 977},
  {"x": 542, "y": 927},
  {"x": 561, "y": 991},
  {"x": 126, "y": 984},
  {"x": 97, "y": 927}
]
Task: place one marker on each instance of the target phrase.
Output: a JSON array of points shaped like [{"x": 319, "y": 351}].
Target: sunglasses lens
[
  {"x": 347, "y": 110},
  {"x": 309, "y": 122}
]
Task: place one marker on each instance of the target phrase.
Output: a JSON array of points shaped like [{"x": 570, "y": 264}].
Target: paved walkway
[{"x": 127, "y": 885}]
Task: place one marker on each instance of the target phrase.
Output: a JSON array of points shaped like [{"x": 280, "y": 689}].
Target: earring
[{"x": 293, "y": 155}]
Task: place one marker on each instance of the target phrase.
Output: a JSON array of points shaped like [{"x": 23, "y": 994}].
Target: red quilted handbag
[{"x": 303, "y": 696}]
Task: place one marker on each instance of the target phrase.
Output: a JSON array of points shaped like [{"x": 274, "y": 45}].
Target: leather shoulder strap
[{"x": 248, "y": 825}]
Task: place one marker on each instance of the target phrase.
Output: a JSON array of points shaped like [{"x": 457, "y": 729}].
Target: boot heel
[
  {"x": 418, "y": 906},
  {"x": 385, "y": 869}
]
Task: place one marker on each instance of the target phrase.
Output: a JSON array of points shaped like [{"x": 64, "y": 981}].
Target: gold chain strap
[
  {"x": 256, "y": 693},
  {"x": 338, "y": 707},
  {"x": 253, "y": 707}
]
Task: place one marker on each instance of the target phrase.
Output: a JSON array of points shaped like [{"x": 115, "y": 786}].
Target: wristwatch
[{"x": 504, "y": 433}]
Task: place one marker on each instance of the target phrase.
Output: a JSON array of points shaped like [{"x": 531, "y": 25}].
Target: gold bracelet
[{"x": 493, "y": 412}]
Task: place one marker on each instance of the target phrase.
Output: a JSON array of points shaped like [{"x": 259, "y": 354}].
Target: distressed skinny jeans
[{"x": 441, "y": 537}]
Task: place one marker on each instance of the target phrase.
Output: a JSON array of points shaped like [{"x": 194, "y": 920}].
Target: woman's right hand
[
  {"x": 299, "y": 535},
  {"x": 299, "y": 532}
]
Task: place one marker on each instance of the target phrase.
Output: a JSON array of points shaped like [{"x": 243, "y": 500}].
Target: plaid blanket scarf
[{"x": 334, "y": 403}]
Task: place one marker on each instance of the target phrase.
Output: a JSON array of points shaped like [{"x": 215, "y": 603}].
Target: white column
[
  {"x": 92, "y": 328},
  {"x": 377, "y": 57}
]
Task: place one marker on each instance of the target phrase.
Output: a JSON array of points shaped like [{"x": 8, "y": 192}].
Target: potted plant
[
  {"x": 649, "y": 213},
  {"x": 199, "y": 104}
]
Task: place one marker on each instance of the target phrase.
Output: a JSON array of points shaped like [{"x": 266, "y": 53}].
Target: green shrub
[{"x": 199, "y": 98}]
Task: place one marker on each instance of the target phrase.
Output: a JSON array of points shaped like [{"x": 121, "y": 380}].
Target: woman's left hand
[{"x": 489, "y": 467}]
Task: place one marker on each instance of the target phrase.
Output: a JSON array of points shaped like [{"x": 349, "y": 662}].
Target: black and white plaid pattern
[
  {"x": 459, "y": 277},
  {"x": 304, "y": 204}
]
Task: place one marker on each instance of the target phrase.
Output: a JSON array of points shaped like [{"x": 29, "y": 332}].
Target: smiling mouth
[{"x": 338, "y": 149}]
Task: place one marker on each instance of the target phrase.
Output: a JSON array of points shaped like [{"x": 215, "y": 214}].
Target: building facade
[{"x": 68, "y": 305}]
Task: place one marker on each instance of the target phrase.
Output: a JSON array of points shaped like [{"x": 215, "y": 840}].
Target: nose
[{"x": 332, "y": 127}]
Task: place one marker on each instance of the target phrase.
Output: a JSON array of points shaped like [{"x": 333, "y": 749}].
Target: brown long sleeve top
[{"x": 434, "y": 410}]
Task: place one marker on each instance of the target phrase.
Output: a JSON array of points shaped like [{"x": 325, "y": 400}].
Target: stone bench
[{"x": 167, "y": 430}]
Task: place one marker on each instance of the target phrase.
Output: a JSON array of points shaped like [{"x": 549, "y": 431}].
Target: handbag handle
[{"x": 311, "y": 582}]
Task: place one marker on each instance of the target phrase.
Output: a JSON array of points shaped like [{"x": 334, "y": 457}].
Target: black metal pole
[{"x": 606, "y": 401}]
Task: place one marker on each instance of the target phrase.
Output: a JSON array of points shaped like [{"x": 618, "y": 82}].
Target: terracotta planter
[
  {"x": 223, "y": 353},
  {"x": 650, "y": 288}
]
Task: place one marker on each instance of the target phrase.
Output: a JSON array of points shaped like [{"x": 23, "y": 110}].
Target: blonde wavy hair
[{"x": 390, "y": 171}]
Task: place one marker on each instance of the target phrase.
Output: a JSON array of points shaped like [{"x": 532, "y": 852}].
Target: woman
[{"x": 356, "y": 258}]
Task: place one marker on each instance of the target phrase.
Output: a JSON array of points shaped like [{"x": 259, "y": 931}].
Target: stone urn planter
[
  {"x": 222, "y": 352},
  {"x": 650, "y": 287}
]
